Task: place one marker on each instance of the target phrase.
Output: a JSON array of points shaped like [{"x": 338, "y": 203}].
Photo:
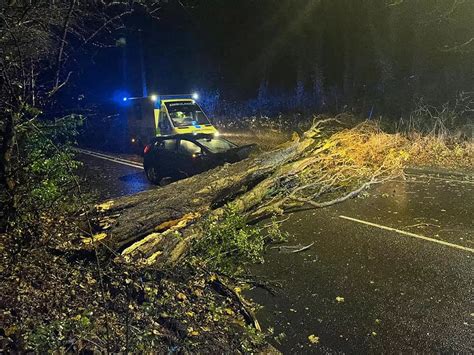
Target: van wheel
[{"x": 152, "y": 175}]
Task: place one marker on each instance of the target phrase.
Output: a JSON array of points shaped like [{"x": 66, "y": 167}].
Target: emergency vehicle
[{"x": 149, "y": 117}]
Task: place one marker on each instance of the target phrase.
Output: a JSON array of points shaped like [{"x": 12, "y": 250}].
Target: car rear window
[
  {"x": 188, "y": 147},
  {"x": 166, "y": 144},
  {"x": 216, "y": 145}
]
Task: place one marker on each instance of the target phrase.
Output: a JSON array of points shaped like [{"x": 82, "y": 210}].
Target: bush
[
  {"x": 45, "y": 175},
  {"x": 230, "y": 243}
]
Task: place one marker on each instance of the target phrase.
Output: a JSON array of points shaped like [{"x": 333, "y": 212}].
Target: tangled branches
[
  {"x": 444, "y": 122},
  {"x": 337, "y": 168}
]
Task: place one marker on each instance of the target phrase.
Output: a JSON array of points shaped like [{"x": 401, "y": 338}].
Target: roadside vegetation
[
  {"x": 56, "y": 298},
  {"x": 229, "y": 243},
  {"x": 441, "y": 136},
  {"x": 431, "y": 136},
  {"x": 134, "y": 275},
  {"x": 64, "y": 293}
]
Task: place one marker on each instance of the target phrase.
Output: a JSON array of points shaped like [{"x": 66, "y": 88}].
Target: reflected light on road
[{"x": 133, "y": 183}]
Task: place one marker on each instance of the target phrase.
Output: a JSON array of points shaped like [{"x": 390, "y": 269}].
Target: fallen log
[{"x": 317, "y": 169}]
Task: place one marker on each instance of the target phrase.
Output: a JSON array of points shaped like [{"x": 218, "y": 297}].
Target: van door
[{"x": 164, "y": 124}]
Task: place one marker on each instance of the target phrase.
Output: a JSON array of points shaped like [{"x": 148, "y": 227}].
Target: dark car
[{"x": 186, "y": 155}]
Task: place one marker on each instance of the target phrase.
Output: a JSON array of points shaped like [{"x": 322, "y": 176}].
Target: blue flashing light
[
  {"x": 195, "y": 96},
  {"x": 125, "y": 99}
]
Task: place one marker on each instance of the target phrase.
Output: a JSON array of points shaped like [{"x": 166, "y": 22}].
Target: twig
[
  {"x": 269, "y": 286},
  {"x": 248, "y": 314},
  {"x": 303, "y": 248},
  {"x": 337, "y": 200},
  {"x": 277, "y": 222},
  {"x": 61, "y": 47},
  {"x": 293, "y": 248},
  {"x": 422, "y": 225}
]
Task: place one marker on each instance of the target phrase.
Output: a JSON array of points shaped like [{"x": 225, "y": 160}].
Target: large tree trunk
[
  {"x": 158, "y": 226},
  {"x": 141, "y": 223}
]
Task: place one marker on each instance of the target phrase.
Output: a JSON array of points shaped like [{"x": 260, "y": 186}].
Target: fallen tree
[{"x": 326, "y": 165}]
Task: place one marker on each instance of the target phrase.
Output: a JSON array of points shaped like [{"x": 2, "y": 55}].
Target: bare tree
[{"x": 38, "y": 41}]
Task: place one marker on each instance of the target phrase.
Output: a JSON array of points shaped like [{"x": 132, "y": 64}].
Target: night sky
[{"x": 359, "y": 51}]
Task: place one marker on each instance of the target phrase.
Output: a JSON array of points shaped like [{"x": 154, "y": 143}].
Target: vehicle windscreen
[
  {"x": 216, "y": 145},
  {"x": 185, "y": 113}
]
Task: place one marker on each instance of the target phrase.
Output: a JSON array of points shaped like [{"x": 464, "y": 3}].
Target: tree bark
[{"x": 181, "y": 204}]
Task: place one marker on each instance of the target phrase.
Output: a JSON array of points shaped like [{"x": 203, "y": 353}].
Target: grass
[{"x": 436, "y": 151}]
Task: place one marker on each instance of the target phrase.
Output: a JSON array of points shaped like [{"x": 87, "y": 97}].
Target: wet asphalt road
[
  {"x": 105, "y": 179},
  {"x": 400, "y": 293},
  {"x": 361, "y": 288}
]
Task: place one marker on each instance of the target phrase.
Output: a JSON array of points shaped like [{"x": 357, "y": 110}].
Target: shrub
[
  {"x": 230, "y": 243},
  {"x": 45, "y": 175}
]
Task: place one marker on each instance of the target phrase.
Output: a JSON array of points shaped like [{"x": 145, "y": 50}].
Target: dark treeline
[
  {"x": 268, "y": 56},
  {"x": 359, "y": 53}
]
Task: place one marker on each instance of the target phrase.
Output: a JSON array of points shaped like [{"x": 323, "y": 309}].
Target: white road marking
[
  {"x": 117, "y": 160},
  {"x": 442, "y": 242}
]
